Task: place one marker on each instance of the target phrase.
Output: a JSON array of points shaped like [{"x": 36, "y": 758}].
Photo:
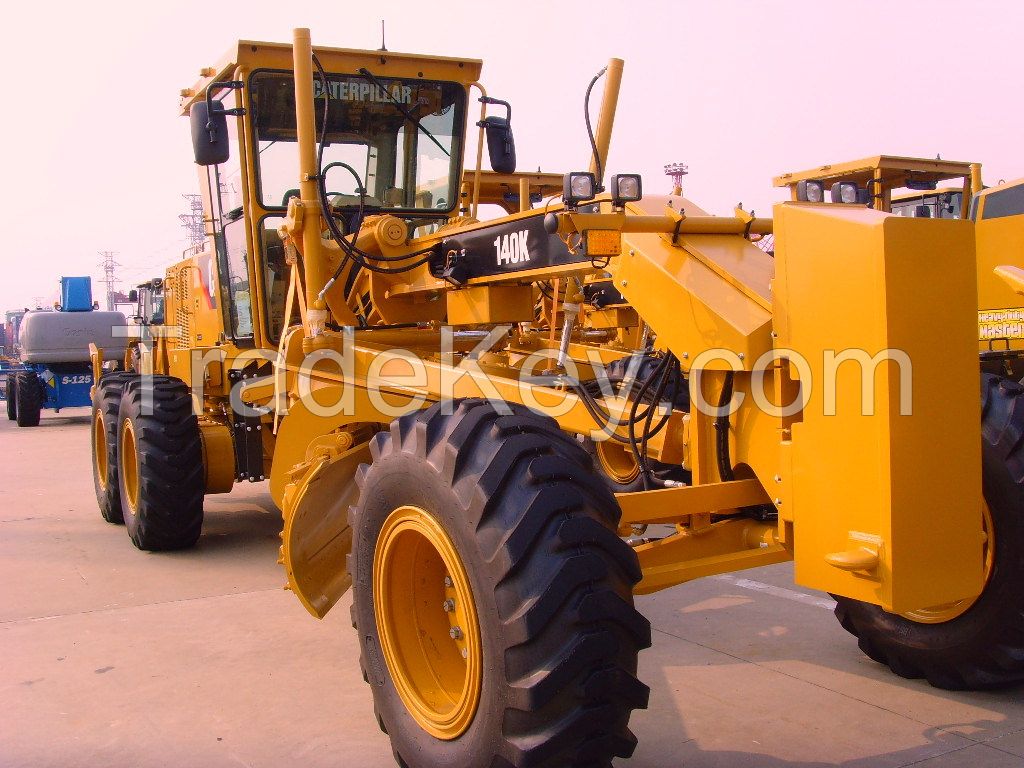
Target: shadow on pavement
[
  {"x": 251, "y": 523},
  {"x": 51, "y": 420}
]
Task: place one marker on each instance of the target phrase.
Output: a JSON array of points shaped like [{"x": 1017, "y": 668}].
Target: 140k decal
[{"x": 512, "y": 248}]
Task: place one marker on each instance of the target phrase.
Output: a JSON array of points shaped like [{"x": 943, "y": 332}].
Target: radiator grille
[{"x": 183, "y": 316}]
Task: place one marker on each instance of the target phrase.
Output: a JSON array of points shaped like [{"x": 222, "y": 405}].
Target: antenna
[{"x": 382, "y": 46}]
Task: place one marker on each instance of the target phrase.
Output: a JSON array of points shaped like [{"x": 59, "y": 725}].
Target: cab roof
[
  {"x": 247, "y": 55},
  {"x": 897, "y": 171}
]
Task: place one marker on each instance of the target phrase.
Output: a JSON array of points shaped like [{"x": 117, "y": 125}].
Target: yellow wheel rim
[
  {"x": 427, "y": 621},
  {"x": 128, "y": 464},
  {"x": 940, "y": 614},
  {"x": 617, "y": 461},
  {"x": 99, "y": 449}
]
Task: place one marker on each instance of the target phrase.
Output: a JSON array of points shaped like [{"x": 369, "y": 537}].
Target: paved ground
[{"x": 112, "y": 657}]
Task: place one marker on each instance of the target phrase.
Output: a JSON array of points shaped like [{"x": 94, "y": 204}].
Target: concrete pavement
[{"x": 113, "y": 657}]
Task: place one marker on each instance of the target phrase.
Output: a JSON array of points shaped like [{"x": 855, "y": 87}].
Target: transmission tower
[
  {"x": 109, "y": 265},
  {"x": 193, "y": 221}
]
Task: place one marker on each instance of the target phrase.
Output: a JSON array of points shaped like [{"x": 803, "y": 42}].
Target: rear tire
[
  {"x": 28, "y": 398},
  {"x": 550, "y": 583},
  {"x": 161, "y": 479},
  {"x": 983, "y": 646},
  {"x": 105, "y": 406},
  {"x": 12, "y": 403}
]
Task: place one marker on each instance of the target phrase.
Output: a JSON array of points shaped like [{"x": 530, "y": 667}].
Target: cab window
[
  {"x": 235, "y": 286},
  {"x": 276, "y": 278},
  {"x": 400, "y": 139},
  {"x": 1004, "y": 202}
]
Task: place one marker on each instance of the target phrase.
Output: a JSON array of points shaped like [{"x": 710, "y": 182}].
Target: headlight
[
  {"x": 844, "y": 192},
  {"x": 626, "y": 188},
  {"x": 810, "y": 191},
  {"x": 578, "y": 187}
]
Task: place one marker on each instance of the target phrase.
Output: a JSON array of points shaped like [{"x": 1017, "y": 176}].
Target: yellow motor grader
[{"x": 498, "y": 432}]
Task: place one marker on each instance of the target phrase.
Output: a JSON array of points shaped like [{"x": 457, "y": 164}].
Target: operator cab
[
  {"x": 390, "y": 130},
  {"x": 148, "y": 298}
]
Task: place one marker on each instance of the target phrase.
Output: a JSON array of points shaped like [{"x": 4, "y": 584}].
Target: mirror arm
[
  {"x": 214, "y": 87},
  {"x": 505, "y": 104}
]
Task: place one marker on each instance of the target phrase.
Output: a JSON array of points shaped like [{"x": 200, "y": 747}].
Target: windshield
[
  {"x": 943, "y": 204},
  {"x": 402, "y": 137}
]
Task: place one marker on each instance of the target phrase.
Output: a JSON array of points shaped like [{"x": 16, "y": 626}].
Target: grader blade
[{"x": 317, "y": 534}]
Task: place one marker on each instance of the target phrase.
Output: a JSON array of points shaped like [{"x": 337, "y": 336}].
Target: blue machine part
[
  {"x": 76, "y": 294},
  {"x": 66, "y": 384},
  {"x": 8, "y": 369}
]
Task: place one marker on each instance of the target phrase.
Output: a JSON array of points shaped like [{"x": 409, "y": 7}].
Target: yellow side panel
[
  {"x": 906, "y": 486},
  {"x": 689, "y": 305},
  {"x": 481, "y": 304},
  {"x": 1000, "y": 242}
]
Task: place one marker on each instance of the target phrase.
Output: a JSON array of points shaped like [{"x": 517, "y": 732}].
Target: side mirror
[
  {"x": 133, "y": 295},
  {"x": 209, "y": 133},
  {"x": 501, "y": 146}
]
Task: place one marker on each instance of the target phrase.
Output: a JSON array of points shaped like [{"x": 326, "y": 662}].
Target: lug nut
[
  {"x": 448, "y": 582},
  {"x": 456, "y": 633},
  {"x": 448, "y": 605}
]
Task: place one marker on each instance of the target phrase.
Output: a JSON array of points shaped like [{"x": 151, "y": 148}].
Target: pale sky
[{"x": 95, "y": 158}]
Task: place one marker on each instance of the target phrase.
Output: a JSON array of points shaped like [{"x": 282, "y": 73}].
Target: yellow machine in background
[
  {"x": 998, "y": 215},
  {"x": 908, "y": 186},
  {"x": 480, "y": 426}
]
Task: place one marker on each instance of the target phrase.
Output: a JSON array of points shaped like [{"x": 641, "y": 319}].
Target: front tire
[
  {"x": 161, "y": 479},
  {"x": 536, "y": 651},
  {"x": 28, "y": 398},
  {"x": 975, "y": 644}
]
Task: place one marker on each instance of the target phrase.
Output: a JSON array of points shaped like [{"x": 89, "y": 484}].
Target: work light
[
  {"x": 810, "y": 191},
  {"x": 578, "y": 187},
  {"x": 626, "y": 188},
  {"x": 844, "y": 192}
]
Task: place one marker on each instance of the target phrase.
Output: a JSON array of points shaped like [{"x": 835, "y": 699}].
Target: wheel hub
[
  {"x": 618, "y": 462},
  {"x": 427, "y": 621},
  {"x": 99, "y": 448},
  {"x": 128, "y": 464}
]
